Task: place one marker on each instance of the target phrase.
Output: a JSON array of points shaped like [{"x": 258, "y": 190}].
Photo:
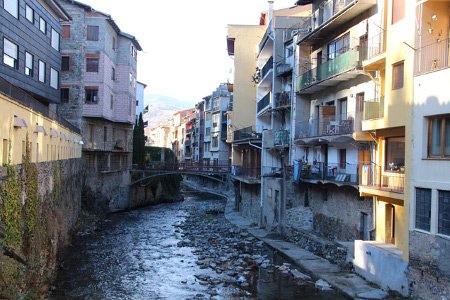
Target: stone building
[{"x": 98, "y": 94}]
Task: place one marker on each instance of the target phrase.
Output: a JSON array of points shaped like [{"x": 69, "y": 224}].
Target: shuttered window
[{"x": 423, "y": 209}]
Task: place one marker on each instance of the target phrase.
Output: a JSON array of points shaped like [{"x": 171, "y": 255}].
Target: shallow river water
[{"x": 182, "y": 250}]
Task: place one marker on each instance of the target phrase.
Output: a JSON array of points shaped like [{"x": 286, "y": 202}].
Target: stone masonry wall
[{"x": 248, "y": 197}]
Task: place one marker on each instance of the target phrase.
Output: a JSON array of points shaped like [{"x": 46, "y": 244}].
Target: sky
[{"x": 184, "y": 42}]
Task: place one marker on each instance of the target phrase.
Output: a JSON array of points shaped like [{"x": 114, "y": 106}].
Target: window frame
[
  {"x": 442, "y": 136},
  {"x": 29, "y": 9},
  {"x": 92, "y": 35},
  {"x": 55, "y": 39},
  {"x": 42, "y": 71},
  {"x": 89, "y": 89},
  {"x": 53, "y": 73},
  {"x": 31, "y": 69},
  {"x": 386, "y": 163},
  {"x": 65, "y": 88},
  {"x": 396, "y": 82},
  {"x": 440, "y": 214},
  {"x": 430, "y": 208},
  {"x": 42, "y": 25},
  {"x": 92, "y": 64},
  {"x": 8, "y": 6},
  {"x": 64, "y": 64},
  {"x": 15, "y": 60},
  {"x": 345, "y": 39}
]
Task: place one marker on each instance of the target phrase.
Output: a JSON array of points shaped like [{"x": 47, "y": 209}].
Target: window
[
  {"x": 423, "y": 209},
  {"x": 42, "y": 25},
  {"x": 398, "y": 10},
  {"x": 439, "y": 136},
  {"x": 91, "y": 95},
  {"x": 342, "y": 158},
  {"x": 444, "y": 212},
  {"x": 92, "y": 33},
  {"x": 395, "y": 154},
  {"x": 208, "y": 132},
  {"x": 114, "y": 43},
  {"x": 28, "y": 64},
  {"x": 111, "y": 105},
  {"x": 41, "y": 71},
  {"x": 65, "y": 95},
  {"x": 12, "y": 6},
  {"x": 92, "y": 64},
  {"x": 289, "y": 51},
  {"x": 215, "y": 141},
  {"x": 54, "y": 78},
  {"x": 113, "y": 74},
  {"x": 66, "y": 31},
  {"x": 397, "y": 76},
  {"x": 29, "y": 13},
  {"x": 65, "y": 63},
  {"x": 10, "y": 53},
  {"x": 55, "y": 39},
  {"x": 338, "y": 46}
]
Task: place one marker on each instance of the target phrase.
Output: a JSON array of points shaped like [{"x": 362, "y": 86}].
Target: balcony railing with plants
[
  {"x": 374, "y": 108},
  {"x": 267, "y": 67},
  {"x": 252, "y": 173},
  {"x": 325, "y": 127},
  {"x": 377, "y": 177},
  {"x": 332, "y": 172},
  {"x": 342, "y": 63},
  {"x": 282, "y": 138},
  {"x": 432, "y": 57},
  {"x": 282, "y": 99},
  {"x": 264, "y": 102}
]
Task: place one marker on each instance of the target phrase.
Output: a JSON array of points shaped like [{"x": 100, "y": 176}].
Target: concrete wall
[{"x": 248, "y": 200}]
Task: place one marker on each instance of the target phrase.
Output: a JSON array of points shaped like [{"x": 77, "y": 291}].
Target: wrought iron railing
[
  {"x": 333, "y": 172},
  {"x": 377, "y": 177},
  {"x": 375, "y": 45},
  {"x": 324, "y": 127},
  {"x": 432, "y": 57}
]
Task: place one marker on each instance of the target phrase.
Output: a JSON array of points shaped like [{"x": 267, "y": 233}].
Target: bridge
[{"x": 217, "y": 172}]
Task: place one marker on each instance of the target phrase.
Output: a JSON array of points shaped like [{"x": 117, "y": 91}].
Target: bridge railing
[{"x": 190, "y": 166}]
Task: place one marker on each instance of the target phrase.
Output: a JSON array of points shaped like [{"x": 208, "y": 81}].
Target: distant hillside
[
  {"x": 166, "y": 102},
  {"x": 161, "y": 108}
]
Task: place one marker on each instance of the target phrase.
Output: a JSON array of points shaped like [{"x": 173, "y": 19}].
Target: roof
[
  {"x": 110, "y": 21},
  {"x": 60, "y": 12}
]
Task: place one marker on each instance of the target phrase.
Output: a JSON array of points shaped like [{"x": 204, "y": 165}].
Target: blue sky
[{"x": 184, "y": 42}]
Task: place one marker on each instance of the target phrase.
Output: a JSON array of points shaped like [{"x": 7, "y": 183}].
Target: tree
[{"x": 139, "y": 142}]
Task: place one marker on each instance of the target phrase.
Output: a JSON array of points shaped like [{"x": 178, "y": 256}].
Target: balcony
[
  {"x": 372, "y": 52},
  {"x": 385, "y": 179},
  {"x": 265, "y": 74},
  {"x": 329, "y": 126},
  {"x": 264, "y": 103},
  {"x": 246, "y": 133},
  {"x": 282, "y": 138},
  {"x": 282, "y": 101},
  {"x": 432, "y": 58},
  {"x": 373, "y": 109},
  {"x": 320, "y": 172},
  {"x": 334, "y": 13},
  {"x": 332, "y": 72},
  {"x": 247, "y": 175}
]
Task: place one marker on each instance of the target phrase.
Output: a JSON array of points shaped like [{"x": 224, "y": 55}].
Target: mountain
[{"x": 166, "y": 102}]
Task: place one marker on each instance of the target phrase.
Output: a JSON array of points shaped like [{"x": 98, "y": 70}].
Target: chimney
[{"x": 270, "y": 10}]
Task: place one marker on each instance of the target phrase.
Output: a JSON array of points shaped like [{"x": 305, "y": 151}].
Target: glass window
[
  {"x": 54, "y": 78},
  {"x": 444, "y": 212},
  {"x": 423, "y": 209},
  {"x": 439, "y": 136},
  {"x": 395, "y": 154},
  {"x": 12, "y": 6},
  {"x": 42, "y": 25},
  {"x": 55, "y": 39},
  {"x": 92, "y": 64},
  {"x": 111, "y": 106},
  {"x": 10, "y": 53},
  {"x": 65, "y": 94},
  {"x": 41, "y": 71},
  {"x": 92, "y": 33},
  {"x": 66, "y": 31},
  {"x": 397, "y": 76},
  {"x": 28, "y": 64},
  {"x": 338, "y": 46},
  {"x": 113, "y": 74},
  {"x": 91, "y": 95},
  {"x": 29, "y": 13},
  {"x": 65, "y": 63}
]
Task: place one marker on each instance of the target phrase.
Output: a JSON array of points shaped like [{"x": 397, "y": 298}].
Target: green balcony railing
[
  {"x": 374, "y": 109},
  {"x": 342, "y": 63}
]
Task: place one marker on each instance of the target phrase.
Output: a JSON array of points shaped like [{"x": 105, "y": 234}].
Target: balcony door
[{"x": 342, "y": 109}]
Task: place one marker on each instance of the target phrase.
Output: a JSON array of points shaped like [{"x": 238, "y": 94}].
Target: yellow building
[{"x": 49, "y": 137}]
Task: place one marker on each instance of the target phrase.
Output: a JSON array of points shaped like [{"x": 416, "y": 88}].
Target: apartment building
[
  {"x": 29, "y": 83},
  {"x": 98, "y": 93},
  {"x": 158, "y": 136},
  {"x": 178, "y": 132},
  {"x": 199, "y": 131}
]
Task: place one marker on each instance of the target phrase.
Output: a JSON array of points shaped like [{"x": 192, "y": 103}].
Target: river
[{"x": 181, "y": 250}]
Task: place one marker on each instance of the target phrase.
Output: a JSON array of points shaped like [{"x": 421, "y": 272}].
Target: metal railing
[
  {"x": 327, "y": 10},
  {"x": 373, "y": 109},
  {"x": 282, "y": 137},
  {"x": 267, "y": 67},
  {"x": 325, "y": 127},
  {"x": 282, "y": 99},
  {"x": 264, "y": 102},
  {"x": 246, "y": 133},
  {"x": 254, "y": 173},
  {"x": 333, "y": 172},
  {"x": 375, "y": 45},
  {"x": 374, "y": 176},
  {"x": 342, "y": 63},
  {"x": 432, "y": 57},
  {"x": 271, "y": 172}
]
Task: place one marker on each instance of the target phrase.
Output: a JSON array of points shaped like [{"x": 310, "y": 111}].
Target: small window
[
  {"x": 42, "y": 25},
  {"x": 65, "y": 95},
  {"x": 92, "y": 33},
  {"x": 398, "y": 10},
  {"x": 395, "y": 154},
  {"x": 65, "y": 63},
  {"x": 55, "y": 39},
  {"x": 397, "y": 76},
  {"x": 12, "y": 6},
  {"x": 91, "y": 95},
  {"x": 113, "y": 74},
  {"x": 289, "y": 51},
  {"x": 92, "y": 64},
  {"x": 41, "y": 71},
  {"x": 29, "y": 13},
  {"x": 114, "y": 43},
  {"x": 66, "y": 31},
  {"x": 28, "y": 64},
  {"x": 111, "y": 105},
  {"x": 444, "y": 212},
  {"x": 423, "y": 209},
  {"x": 10, "y": 53},
  {"x": 439, "y": 136},
  {"x": 54, "y": 78}
]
